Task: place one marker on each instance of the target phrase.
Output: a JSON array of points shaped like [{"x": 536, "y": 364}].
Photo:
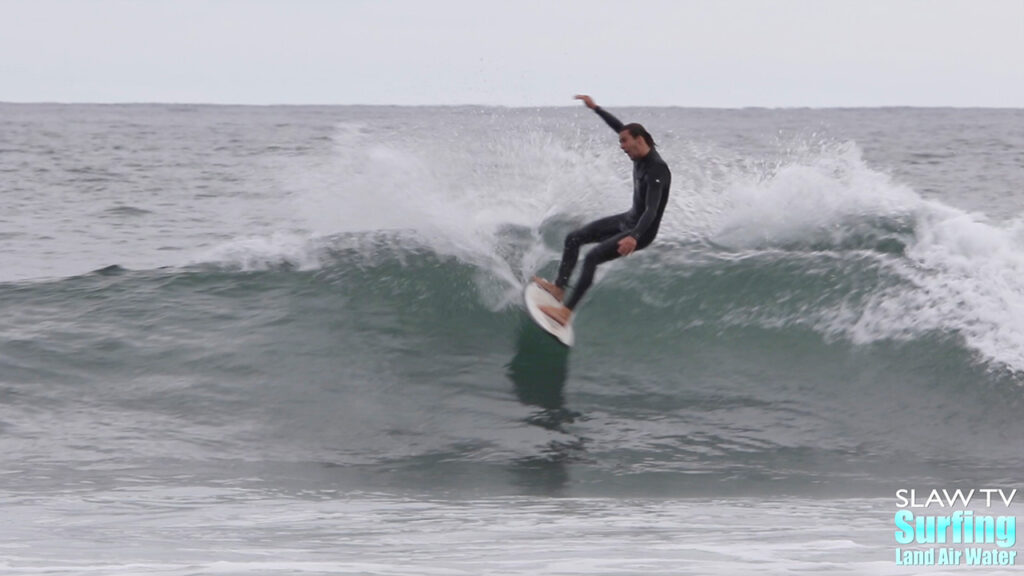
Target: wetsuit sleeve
[
  {"x": 656, "y": 183},
  {"x": 609, "y": 119}
]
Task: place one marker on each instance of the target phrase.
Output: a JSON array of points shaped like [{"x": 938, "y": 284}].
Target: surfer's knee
[{"x": 573, "y": 239}]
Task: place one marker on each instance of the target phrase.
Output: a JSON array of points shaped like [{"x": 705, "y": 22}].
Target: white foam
[
  {"x": 263, "y": 533},
  {"x": 457, "y": 198},
  {"x": 963, "y": 274},
  {"x": 968, "y": 278},
  {"x": 819, "y": 196},
  {"x": 248, "y": 253}
]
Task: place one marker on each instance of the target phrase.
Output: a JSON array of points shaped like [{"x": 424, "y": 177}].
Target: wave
[
  {"x": 925, "y": 270},
  {"x": 814, "y": 239},
  {"x": 804, "y": 319},
  {"x": 763, "y": 369}
]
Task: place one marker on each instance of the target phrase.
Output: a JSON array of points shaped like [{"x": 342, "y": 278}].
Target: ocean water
[{"x": 289, "y": 340}]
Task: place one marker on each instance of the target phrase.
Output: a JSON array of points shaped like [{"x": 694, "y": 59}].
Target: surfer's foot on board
[
  {"x": 550, "y": 288},
  {"x": 559, "y": 314}
]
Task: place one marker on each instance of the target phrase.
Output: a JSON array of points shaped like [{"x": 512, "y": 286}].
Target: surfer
[{"x": 618, "y": 235}]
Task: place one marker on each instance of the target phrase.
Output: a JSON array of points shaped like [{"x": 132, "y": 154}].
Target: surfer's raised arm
[{"x": 604, "y": 114}]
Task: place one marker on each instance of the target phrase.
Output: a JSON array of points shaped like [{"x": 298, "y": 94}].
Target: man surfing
[{"x": 618, "y": 235}]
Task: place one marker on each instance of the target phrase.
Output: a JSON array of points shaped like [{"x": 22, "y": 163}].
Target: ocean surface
[{"x": 290, "y": 340}]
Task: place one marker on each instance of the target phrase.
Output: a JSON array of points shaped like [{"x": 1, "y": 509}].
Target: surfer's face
[{"x": 634, "y": 146}]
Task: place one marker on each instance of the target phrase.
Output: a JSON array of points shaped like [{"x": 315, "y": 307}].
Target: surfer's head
[{"x": 635, "y": 141}]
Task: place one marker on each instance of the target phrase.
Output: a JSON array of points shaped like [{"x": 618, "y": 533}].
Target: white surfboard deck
[{"x": 535, "y": 298}]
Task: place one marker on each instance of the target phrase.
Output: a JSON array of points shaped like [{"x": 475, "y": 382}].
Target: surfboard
[{"x": 535, "y": 298}]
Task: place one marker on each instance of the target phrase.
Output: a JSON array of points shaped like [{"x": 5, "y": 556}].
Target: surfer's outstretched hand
[{"x": 586, "y": 100}]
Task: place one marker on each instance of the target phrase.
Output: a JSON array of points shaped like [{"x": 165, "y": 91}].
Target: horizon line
[{"x": 504, "y": 106}]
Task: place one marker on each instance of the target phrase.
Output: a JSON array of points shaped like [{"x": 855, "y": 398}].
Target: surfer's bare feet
[
  {"x": 550, "y": 288},
  {"x": 559, "y": 314}
]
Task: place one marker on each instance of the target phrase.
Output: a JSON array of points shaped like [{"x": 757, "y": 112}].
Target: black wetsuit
[{"x": 651, "y": 180}]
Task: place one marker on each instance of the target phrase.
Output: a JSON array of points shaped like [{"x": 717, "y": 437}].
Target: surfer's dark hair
[{"x": 637, "y": 130}]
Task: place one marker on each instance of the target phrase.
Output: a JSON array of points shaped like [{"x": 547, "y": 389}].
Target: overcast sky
[{"x": 717, "y": 53}]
